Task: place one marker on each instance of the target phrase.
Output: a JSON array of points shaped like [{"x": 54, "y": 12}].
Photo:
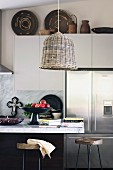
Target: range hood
[{"x": 5, "y": 70}]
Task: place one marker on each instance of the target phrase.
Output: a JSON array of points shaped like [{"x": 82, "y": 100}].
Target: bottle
[{"x": 85, "y": 27}]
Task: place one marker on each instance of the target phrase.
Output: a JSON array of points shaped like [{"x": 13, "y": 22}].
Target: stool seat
[
  {"x": 28, "y": 146},
  {"x": 89, "y": 141}
]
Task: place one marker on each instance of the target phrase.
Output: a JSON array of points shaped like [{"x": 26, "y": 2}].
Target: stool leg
[
  {"x": 39, "y": 161},
  {"x": 89, "y": 153},
  {"x": 77, "y": 156},
  {"x": 23, "y": 161},
  {"x": 99, "y": 157}
]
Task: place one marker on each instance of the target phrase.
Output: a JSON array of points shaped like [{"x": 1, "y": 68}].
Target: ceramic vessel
[
  {"x": 56, "y": 115},
  {"x": 85, "y": 27},
  {"x": 73, "y": 25}
]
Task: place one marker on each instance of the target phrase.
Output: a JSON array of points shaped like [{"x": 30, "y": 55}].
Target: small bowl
[{"x": 56, "y": 115}]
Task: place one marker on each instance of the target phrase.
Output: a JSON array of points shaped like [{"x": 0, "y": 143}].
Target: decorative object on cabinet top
[
  {"x": 51, "y": 21},
  {"x": 85, "y": 27},
  {"x": 24, "y": 22},
  {"x": 73, "y": 25},
  {"x": 103, "y": 30}
]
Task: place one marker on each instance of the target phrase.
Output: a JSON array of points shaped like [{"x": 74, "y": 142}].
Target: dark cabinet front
[
  {"x": 71, "y": 149},
  {"x": 11, "y": 157}
]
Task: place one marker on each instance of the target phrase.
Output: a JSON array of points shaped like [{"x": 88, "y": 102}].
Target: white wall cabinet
[
  {"x": 82, "y": 43},
  {"x": 102, "y": 50},
  {"x": 27, "y": 59},
  {"x": 90, "y": 50},
  {"x": 50, "y": 79},
  {"x": 26, "y": 63},
  {"x": 93, "y": 50}
]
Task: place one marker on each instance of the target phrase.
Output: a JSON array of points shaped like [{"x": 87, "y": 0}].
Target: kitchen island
[
  {"x": 11, "y": 157},
  {"x": 62, "y": 157}
]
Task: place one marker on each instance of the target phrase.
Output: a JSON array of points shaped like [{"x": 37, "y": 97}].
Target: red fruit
[
  {"x": 37, "y": 105},
  {"x": 43, "y": 101},
  {"x": 33, "y": 104},
  {"x": 47, "y": 105},
  {"x": 42, "y": 105}
]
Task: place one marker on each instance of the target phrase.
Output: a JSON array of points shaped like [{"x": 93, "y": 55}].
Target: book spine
[{"x": 73, "y": 121}]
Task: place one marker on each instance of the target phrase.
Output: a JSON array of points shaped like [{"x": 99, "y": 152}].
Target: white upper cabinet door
[
  {"x": 26, "y": 63},
  {"x": 50, "y": 79},
  {"x": 102, "y": 45},
  {"x": 82, "y": 43}
]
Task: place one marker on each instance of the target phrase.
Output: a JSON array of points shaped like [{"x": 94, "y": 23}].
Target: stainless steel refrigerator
[{"x": 89, "y": 94}]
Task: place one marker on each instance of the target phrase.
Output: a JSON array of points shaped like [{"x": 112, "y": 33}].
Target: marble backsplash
[{"x": 7, "y": 92}]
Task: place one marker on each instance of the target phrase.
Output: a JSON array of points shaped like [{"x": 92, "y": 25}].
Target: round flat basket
[
  {"x": 51, "y": 21},
  {"x": 24, "y": 22}
]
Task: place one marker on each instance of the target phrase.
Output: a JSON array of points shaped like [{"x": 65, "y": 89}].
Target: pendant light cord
[{"x": 58, "y": 15}]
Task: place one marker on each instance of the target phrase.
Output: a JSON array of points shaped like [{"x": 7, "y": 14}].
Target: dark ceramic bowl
[{"x": 36, "y": 110}]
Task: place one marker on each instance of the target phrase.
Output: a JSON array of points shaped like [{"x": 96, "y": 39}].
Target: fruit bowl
[
  {"x": 36, "y": 109},
  {"x": 35, "y": 112}
]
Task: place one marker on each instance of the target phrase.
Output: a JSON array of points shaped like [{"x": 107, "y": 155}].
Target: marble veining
[{"x": 7, "y": 92}]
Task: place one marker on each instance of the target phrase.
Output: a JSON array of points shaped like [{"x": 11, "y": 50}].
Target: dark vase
[{"x": 85, "y": 27}]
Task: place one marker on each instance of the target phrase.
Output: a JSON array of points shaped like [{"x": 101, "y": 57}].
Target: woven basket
[{"x": 58, "y": 53}]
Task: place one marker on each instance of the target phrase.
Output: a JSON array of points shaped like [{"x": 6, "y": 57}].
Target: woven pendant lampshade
[{"x": 58, "y": 53}]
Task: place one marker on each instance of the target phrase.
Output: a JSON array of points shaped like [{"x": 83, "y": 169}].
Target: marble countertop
[{"x": 25, "y": 128}]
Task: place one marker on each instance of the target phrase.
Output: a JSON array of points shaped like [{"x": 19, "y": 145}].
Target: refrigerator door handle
[
  {"x": 89, "y": 116},
  {"x": 95, "y": 118}
]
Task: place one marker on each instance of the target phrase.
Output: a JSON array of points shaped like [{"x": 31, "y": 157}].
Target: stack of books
[
  {"x": 73, "y": 122},
  {"x": 50, "y": 122}
]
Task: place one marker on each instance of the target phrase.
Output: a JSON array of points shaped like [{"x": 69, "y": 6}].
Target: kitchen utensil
[
  {"x": 24, "y": 22},
  {"x": 102, "y": 30},
  {"x": 51, "y": 21}
]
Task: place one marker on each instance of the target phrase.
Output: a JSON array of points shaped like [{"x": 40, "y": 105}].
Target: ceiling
[{"x": 12, "y": 4}]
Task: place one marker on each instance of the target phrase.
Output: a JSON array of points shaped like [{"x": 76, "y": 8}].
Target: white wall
[{"x": 98, "y": 12}]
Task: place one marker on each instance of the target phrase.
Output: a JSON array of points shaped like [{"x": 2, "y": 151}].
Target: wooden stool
[
  {"x": 25, "y": 146},
  {"x": 89, "y": 142}
]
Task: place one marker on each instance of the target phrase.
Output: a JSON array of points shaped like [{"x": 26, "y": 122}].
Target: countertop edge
[{"x": 35, "y": 129}]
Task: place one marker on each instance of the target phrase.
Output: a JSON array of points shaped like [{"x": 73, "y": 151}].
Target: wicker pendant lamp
[{"x": 58, "y": 52}]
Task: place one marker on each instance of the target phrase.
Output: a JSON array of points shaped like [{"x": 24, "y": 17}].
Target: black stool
[
  {"x": 89, "y": 142},
  {"x": 24, "y": 146}
]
